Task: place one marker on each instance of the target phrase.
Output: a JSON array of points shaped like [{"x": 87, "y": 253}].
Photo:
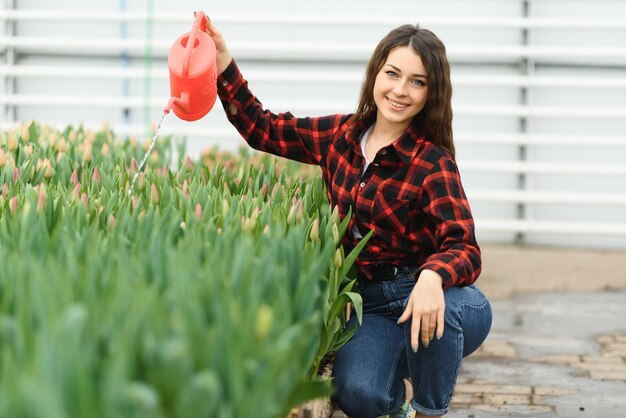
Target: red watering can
[{"x": 193, "y": 72}]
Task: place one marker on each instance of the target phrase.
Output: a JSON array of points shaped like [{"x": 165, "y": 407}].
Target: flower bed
[{"x": 210, "y": 291}]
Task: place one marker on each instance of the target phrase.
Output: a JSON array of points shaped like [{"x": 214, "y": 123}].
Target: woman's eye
[
  {"x": 418, "y": 83},
  {"x": 391, "y": 74}
]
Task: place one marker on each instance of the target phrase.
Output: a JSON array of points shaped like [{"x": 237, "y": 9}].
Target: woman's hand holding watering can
[{"x": 223, "y": 55}]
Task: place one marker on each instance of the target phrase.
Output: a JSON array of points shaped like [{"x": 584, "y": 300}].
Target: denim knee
[{"x": 358, "y": 398}]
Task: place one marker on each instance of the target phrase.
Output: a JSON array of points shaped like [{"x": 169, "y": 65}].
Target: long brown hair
[{"x": 435, "y": 120}]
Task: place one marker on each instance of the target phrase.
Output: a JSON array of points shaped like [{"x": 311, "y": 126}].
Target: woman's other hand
[{"x": 427, "y": 306}]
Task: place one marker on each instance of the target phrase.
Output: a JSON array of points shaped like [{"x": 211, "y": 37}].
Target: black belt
[{"x": 378, "y": 272}]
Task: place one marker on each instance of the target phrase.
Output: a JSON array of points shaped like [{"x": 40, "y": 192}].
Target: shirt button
[
  {"x": 224, "y": 83},
  {"x": 362, "y": 184},
  {"x": 384, "y": 152}
]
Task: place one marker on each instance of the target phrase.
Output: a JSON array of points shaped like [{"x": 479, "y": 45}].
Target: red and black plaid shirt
[{"x": 411, "y": 194}]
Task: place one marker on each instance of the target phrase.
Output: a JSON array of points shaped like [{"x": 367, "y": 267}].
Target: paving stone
[
  {"x": 462, "y": 379},
  {"x": 557, "y": 359},
  {"x": 543, "y": 391},
  {"x": 495, "y": 349},
  {"x": 521, "y": 409},
  {"x": 474, "y": 388},
  {"x": 513, "y": 390},
  {"x": 606, "y": 339},
  {"x": 499, "y": 399},
  {"x": 602, "y": 359},
  {"x": 619, "y": 349},
  {"x": 601, "y": 367},
  {"x": 608, "y": 375},
  {"x": 466, "y": 398}
]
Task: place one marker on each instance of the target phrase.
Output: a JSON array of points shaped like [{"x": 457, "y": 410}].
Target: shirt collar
[{"x": 406, "y": 147}]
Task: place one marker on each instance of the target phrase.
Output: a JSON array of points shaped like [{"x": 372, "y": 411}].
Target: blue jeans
[{"x": 369, "y": 369}]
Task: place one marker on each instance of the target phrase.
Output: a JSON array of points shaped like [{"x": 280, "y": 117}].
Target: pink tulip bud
[
  {"x": 264, "y": 190},
  {"x": 274, "y": 191},
  {"x": 5, "y": 190},
  {"x": 13, "y": 205},
  {"x": 154, "y": 157},
  {"x": 12, "y": 143},
  {"x": 292, "y": 214},
  {"x": 141, "y": 182},
  {"x": 155, "y": 197},
  {"x": 48, "y": 167},
  {"x": 3, "y": 158},
  {"x": 134, "y": 201},
  {"x": 74, "y": 177},
  {"x": 83, "y": 197},
  {"x": 188, "y": 163},
  {"x": 198, "y": 211},
  {"x": 41, "y": 201},
  {"x": 300, "y": 210},
  {"x": 16, "y": 174},
  {"x": 133, "y": 166},
  {"x": 87, "y": 153},
  {"x": 76, "y": 192},
  {"x": 28, "y": 151},
  {"x": 96, "y": 178},
  {"x": 111, "y": 222}
]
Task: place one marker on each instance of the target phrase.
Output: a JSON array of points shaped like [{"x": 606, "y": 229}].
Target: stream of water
[{"x": 145, "y": 157}]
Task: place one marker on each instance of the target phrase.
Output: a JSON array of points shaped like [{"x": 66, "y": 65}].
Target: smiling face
[{"x": 400, "y": 89}]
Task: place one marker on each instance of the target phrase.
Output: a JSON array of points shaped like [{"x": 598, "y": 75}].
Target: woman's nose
[{"x": 400, "y": 88}]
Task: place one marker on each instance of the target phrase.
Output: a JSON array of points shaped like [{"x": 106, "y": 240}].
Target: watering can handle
[{"x": 198, "y": 24}]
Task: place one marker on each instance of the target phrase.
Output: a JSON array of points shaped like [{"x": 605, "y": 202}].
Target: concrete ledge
[{"x": 510, "y": 270}]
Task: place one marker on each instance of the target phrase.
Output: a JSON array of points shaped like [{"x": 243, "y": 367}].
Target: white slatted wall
[{"x": 539, "y": 88}]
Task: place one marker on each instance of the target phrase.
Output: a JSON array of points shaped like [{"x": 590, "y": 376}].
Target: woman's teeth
[{"x": 397, "y": 105}]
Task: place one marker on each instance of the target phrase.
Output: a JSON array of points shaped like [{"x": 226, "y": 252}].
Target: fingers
[
  {"x": 429, "y": 322},
  {"x": 440, "y": 322},
  {"x": 415, "y": 332},
  {"x": 223, "y": 55},
  {"x": 408, "y": 311},
  {"x": 424, "y": 326}
]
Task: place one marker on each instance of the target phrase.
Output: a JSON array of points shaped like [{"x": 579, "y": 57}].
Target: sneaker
[{"x": 406, "y": 411}]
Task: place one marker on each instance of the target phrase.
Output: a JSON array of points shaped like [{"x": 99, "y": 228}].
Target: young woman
[{"x": 393, "y": 163}]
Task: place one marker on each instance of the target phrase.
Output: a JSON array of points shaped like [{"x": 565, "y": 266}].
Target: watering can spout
[{"x": 182, "y": 103}]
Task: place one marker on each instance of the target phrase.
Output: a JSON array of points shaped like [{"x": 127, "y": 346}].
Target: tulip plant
[{"x": 212, "y": 290}]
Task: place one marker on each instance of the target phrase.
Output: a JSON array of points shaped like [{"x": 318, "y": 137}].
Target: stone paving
[{"x": 549, "y": 355}]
